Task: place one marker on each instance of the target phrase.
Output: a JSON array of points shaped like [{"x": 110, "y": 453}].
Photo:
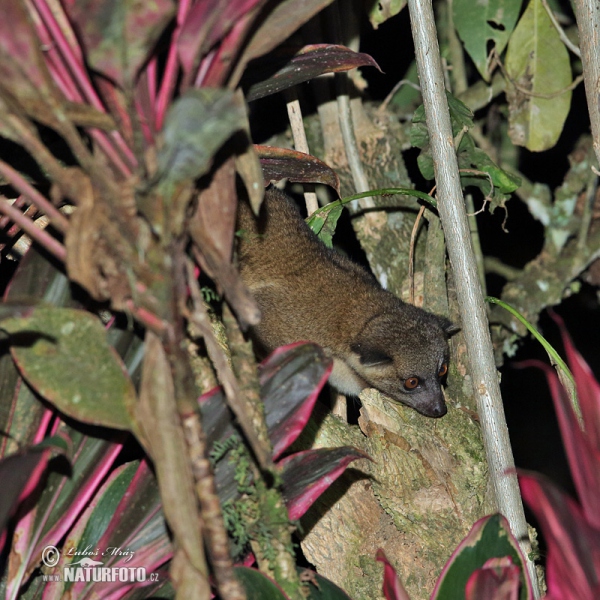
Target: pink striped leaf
[
  {"x": 489, "y": 538},
  {"x": 573, "y": 565},
  {"x": 392, "y": 587},
  {"x": 119, "y": 34},
  {"x": 306, "y": 475}
]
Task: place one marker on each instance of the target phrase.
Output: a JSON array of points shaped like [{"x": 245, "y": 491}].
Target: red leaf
[
  {"x": 573, "y": 543},
  {"x": 20, "y": 474},
  {"x": 119, "y": 34},
  {"x": 588, "y": 389},
  {"x": 583, "y": 457},
  {"x": 498, "y": 579},
  {"x": 280, "y": 163},
  {"x": 294, "y": 66},
  {"x": 291, "y": 379},
  {"x": 306, "y": 475},
  {"x": 206, "y": 24},
  {"x": 22, "y": 67},
  {"x": 392, "y": 587}
]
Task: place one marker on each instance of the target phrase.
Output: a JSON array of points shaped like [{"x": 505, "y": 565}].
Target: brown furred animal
[{"x": 307, "y": 291}]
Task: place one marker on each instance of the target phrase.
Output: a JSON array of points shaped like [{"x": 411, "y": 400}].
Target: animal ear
[
  {"x": 369, "y": 356},
  {"x": 448, "y": 326}
]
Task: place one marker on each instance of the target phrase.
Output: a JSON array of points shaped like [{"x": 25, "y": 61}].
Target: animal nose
[{"x": 439, "y": 410}]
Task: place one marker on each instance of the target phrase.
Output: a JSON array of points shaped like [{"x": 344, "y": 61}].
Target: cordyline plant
[
  {"x": 486, "y": 565},
  {"x": 132, "y": 115},
  {"x": 571, "y": 528},
  {"x": 111, "y": 512}
]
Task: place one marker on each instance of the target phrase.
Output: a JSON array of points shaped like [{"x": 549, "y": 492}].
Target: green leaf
[
  {"x": 257, "y": 585},
  {"x": 383, "y": 10},
  {"x": 503, "y": 181},
  {"x": 554, "y": 355},
  {"x": 461, "y": 115},
  {"x": 491, "y": 21},
  {"x": 538, "y": 62},
  {"x": 490, "y": 537},
  {"x": 196, "y": 126},
  {"x": 327, "y": 229},
  {"x": 496, "y": 187},
  {"x": 64, "y": 355}
]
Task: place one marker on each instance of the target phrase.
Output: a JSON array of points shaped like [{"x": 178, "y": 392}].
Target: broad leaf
[
  {"x": 476, "y": 167},
  {"x": 588, "y": 391},
  {"x": 498, "y": 579},
  {"x": 489, "y": 537},
  {"x": 493, "y": 21},
  {"x": 583, "y": 456},
  {"x": 324, "y": 224},
  {"x": 20, "y": 473},
  {"x": 64, "y": 355},
  {"x": 538, "y": 62},
  {"x": 119, "y": 34},
  {"x": 197, "y": 125},
  {"x": 306, "y": 475},
  {"x": 380, "y": 12},
  {"x": 285, "y": 17},
  {"x": 258, "y": 586},
  {"x": 60, "y": 502},
  {"x": 284, "y": 163},
  {"x": 206, "y": 24},
  {"x": 123, "y": 526},
  {"x": 291, "y": 379}
]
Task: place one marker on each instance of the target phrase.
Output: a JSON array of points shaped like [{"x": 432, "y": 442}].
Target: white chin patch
[{"x": 345, "y": 380}]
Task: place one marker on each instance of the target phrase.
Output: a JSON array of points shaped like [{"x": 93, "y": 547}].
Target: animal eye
[
  {"x": 411, "y": 383},
  {"x": 443, "y": 370}
]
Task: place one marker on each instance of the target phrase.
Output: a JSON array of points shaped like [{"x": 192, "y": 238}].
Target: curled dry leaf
[
  {"x": 280, "y": 163},
  {"x": 212, "y": 229}
]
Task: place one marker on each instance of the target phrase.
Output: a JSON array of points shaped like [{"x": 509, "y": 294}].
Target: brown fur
[{"x": 307, "y": 291}]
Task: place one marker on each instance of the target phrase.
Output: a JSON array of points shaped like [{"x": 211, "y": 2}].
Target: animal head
[{"x": 406, "y": 357}]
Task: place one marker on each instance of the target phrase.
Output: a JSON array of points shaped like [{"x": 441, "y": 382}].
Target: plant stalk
[{"x": 470, "y": 298}]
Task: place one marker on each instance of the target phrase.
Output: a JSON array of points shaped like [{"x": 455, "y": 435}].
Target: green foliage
[
  {"x": 538, "y": 63},
  {"x": 491, "y": 21},
  {"x": 488, "y": 539},
  {"x": 64, "y": 355},
  {"x": 476, "y": 167},
  {"x": 324, "y": 220}
]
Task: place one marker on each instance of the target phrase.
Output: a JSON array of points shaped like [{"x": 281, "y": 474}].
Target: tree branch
[{"x": 470, "y": 298}]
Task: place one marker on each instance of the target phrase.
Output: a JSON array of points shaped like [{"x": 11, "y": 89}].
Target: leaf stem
[{"x": 24, "y": 187}]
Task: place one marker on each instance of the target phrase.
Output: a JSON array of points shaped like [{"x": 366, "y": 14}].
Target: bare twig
[
  {"x": 469, "y": 294},
  {"x": 561, "y": 32},
  {"x": 411, "y": 256},
  {"x": 214, "y": 525},
  {"x": 361, "y": 183},
  {"x": 300, "y": 141}
]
